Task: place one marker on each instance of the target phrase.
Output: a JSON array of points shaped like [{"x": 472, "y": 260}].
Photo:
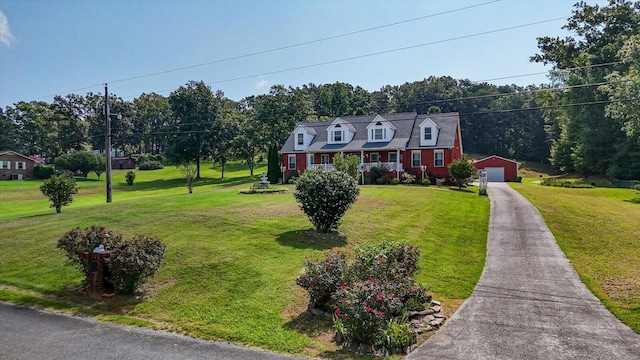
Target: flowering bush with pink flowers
[
  {"x": 322, "y": 277},
  {"x": 375, "y": 290}
]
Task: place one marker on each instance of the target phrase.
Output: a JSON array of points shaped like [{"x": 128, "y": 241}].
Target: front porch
[{"x": 366, "y": 167}]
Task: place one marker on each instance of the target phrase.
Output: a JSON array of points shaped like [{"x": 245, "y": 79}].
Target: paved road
[
  {"x": 26, "y": 333},
  {"x": 529, "y": 302}
]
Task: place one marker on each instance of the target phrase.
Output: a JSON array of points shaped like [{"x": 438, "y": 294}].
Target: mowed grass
[
  {"x": 599, "y": 231},
  {"x": 232, "y": 259}
]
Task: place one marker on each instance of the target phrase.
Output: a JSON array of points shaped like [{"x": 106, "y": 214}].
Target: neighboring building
[
  {"x": 498, "y": 169},
  {"x": 422, "y": 144},
  {"x": 123, "y": 163},
  {"x": 14, "y": 166}
]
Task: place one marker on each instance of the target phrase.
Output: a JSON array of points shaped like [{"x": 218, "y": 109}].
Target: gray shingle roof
[
  {"x": 447, "y": 124},
  {"x": 406, "y": 135}
]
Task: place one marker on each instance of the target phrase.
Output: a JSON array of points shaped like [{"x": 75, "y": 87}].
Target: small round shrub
[
  {"x": 130, "y": 177},
  {"x": 636, "y": 187},
  {"x": 379, "y": 174},
  {"x": 43, "y": 171},
  {"x": 408, "y": 178},
  {"x": 150, "y": 165},
  {"x": 59, "y": 189},
  {"x": 364, "y": 309},
  {"x": 77, "y": 241},
  {"x": 325, "y": 196},
  {"x": 130, "y": 262},
  {"x": 133, "y": 261},
  {"x": 395, "y": 181},
  {"x": 425, "y": 182},
  {"x": 321, "y": 278}
]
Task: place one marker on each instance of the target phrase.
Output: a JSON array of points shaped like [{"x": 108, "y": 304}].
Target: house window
[
  {"x": 300, "y": 139},
  {"x": 427, "y": 133},
  {"x": 21, "y": 165},
  {"x": 375, "y": 157},
  {"x": 438, "y": 158},
  {"x": 393, "y": 157},
  {"x": 377, "y": 134},
  {"x": 292, "y": 162},
  {"x": 5, "y": 165},
  {"x": 337, "y": 136},
  {"x": 324, "y": 159},
  {"x": 415, "y": 159}
]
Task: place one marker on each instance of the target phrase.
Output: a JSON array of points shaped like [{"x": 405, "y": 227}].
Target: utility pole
[{"x": 107, "y": 141}]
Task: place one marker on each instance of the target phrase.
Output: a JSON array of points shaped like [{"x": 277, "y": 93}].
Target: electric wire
[{"x": 276, "y": 49}]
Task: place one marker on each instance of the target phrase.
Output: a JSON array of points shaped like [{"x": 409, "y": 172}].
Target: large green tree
[
  {"x": 194, "y": 109},
  {"x": 588, "y": 139}
]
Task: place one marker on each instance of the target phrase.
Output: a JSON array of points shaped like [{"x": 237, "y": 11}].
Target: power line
[
  {"x": 383, "y": 52},
  {"x": 277, "y": 49}
]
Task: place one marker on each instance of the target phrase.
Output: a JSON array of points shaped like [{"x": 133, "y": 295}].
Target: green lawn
[
  {"x": 232, "y": 259},
  {"x": 598, "y": 229}
]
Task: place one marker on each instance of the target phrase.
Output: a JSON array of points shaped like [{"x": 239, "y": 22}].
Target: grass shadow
[
  {"x": 462, "y": 190},
  {"x": 310, "y": 239},
  {"x": 309, "y": 325},
  {"x": 633, "y": 201},
  {"x": 314, "y": 327}
]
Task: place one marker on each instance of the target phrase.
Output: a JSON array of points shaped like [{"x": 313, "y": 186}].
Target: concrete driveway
[
  {"x": 529, "y": 302},
  {"x": 26, "y": 333}
]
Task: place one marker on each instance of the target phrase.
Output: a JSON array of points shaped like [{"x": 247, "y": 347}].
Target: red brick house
[
  {"x": 498, "y": 169},
  {"x": 422, "y": 144},
  {"x": 14, "y": 166}
]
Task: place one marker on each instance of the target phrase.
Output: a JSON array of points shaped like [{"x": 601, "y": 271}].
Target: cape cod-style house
[{"x": 421, "y": 144}]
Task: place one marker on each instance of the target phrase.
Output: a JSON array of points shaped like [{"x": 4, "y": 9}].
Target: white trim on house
[
  {"x": 304, "y": 134},
  {"x": 340, "y": 132},
  {"x": 289, "y": 162},
  {"x": 5, "y": 165},
  {"x": 413, "y": 158},
  {"x": 433, "y": 128},
  {"x": 21, "y": 165},
  {"x": 380, "y": 130},
  {"x": 438, "y": 155},
  {"x": 324, "y": 159}
]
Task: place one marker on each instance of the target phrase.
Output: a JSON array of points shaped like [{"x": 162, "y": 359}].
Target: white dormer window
[
  {"x": 379, "y": 134},
  {"x": 340, "y": 132},
  {"x": 337, "y": 133},
  {"x": 303, "y": 136},
  {"x": 428, "y": 133},
  {"x": 380, "y": 130}
]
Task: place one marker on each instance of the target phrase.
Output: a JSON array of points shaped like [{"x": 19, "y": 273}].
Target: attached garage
[{"x": 498, "y": 169}]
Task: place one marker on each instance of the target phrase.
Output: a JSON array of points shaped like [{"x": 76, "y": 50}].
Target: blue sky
[{"x": 57, "y": 47}]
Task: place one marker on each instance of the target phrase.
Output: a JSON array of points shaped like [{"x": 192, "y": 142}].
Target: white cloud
[
  {"x": 262, "y": 84},
  {"x": 6, "y": 37}
]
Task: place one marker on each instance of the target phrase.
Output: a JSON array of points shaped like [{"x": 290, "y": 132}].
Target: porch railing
[
  {"x": 322, "y": 166},
  {"x": 392, "y": 166}
]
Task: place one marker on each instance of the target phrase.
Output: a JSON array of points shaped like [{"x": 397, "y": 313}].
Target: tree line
[{"x": 585, "y": 126}]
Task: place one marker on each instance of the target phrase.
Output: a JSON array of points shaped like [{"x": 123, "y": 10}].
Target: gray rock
[
  {"x": 439, "y": 316},
  {"x": 429, "y": 318},
  {"x": 316, "y": 312},
  {"x": 433, "y": 302},
  {"x": 436, "y": 308}
]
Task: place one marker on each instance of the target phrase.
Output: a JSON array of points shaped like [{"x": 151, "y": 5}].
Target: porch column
[
  {"x": 398, "y": 164},
  {"x": 362, "y": 165}
]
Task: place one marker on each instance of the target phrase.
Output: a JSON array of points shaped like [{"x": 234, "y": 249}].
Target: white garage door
[{"x": 495, "y": 174}]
